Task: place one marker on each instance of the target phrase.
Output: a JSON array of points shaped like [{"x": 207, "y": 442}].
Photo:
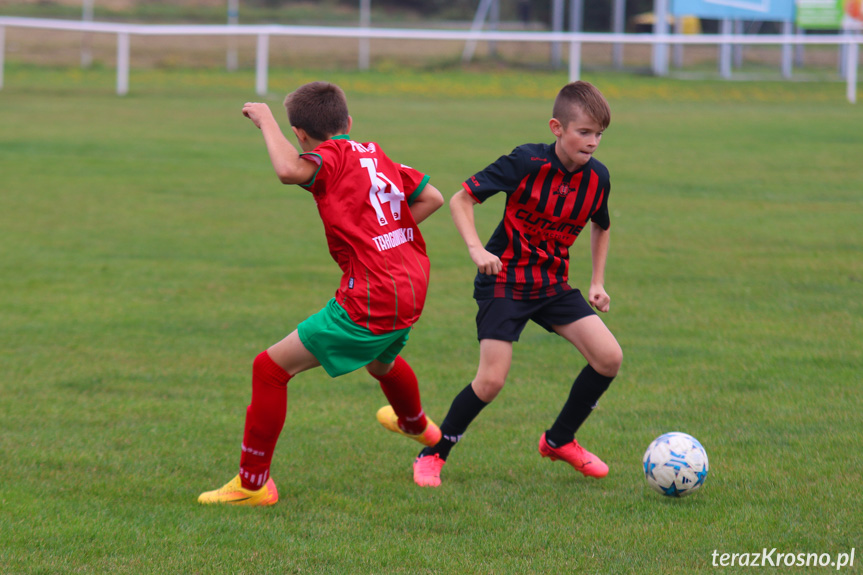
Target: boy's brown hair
[
  {"x": 319, "y": 108},
  {"x": 581, "y": 96}
]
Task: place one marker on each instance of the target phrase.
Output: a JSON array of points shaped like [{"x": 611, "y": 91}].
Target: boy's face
[{"x": 576, "y": 141}]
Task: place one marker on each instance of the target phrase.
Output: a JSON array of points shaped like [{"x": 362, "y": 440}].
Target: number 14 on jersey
[{"x": 382, "y": 191}]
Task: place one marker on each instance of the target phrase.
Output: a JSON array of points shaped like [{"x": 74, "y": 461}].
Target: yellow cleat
[
  {"x": 429, "y": 437},
  {"x": 233, "y": 493}
]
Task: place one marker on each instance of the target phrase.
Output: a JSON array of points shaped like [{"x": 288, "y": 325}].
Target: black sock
[
  {"x": 465, "y": 407},
  {"x": 586, "y": 391}
]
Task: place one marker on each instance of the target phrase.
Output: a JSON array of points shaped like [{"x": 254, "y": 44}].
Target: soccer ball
[{"x": 675, "y": 464}]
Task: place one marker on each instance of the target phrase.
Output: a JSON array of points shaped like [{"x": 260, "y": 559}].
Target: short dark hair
[
  {"x": 584, "y": 96},
  {"x": 319, "y": 108}
]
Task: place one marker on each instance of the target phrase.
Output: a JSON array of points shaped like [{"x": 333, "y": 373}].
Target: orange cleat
[{"x": 429, "y": 437}]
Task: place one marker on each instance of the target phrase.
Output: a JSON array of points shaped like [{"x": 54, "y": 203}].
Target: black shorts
[{"x": 504, "y": 319}]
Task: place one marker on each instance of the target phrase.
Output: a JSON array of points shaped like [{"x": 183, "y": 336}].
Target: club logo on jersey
[
  {"x": 351, "y": 283},
  {"x": 563, "y": 190}
]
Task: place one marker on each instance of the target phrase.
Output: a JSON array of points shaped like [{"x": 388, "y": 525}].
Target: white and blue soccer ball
[{"x": 675, "y": 464}]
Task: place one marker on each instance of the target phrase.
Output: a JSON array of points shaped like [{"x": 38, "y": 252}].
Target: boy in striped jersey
[
  {"x": 370, "y": 207},
  {"x": 553, "y": 192}
]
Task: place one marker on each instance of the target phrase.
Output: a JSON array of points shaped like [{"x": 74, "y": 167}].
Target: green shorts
[{"x": 342, "y": 346}]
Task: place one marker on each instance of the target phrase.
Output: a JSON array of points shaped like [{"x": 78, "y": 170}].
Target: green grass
[{"x": 147, "y": 253}]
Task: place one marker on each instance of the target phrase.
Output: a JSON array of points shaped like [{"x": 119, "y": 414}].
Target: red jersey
[{"x": 363, "y": 198}]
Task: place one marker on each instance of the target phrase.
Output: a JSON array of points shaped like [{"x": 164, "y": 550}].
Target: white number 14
[{"x": 382, "y": 191}]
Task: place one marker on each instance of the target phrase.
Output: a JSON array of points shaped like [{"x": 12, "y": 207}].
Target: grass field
[{"x": 147, "y": 254}]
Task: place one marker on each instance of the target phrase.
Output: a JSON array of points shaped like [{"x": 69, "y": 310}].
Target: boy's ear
[
  {"x": 350, "y": 124},
  {"x": 301, "y": 134},
  {"x": 556, "y": 127}
]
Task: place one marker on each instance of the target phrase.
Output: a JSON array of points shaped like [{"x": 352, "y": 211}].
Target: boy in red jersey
[
  {"x": 552, "y": 191},
  {"x": 370, "y": 207}
]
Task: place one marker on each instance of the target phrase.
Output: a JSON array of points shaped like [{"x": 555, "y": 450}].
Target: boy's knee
[
  {"x": 379, "y": 369},
  {"x": 487, "y": 388},
  {"x": 260, "y": 360},
  {"x": 609, "y": 363}
]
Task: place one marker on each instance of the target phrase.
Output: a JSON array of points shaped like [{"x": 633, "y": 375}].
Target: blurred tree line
[{"x": 597, "y": 13}]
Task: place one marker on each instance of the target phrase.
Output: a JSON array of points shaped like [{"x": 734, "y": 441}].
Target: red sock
[
  {"x": 265, "y": 418},
  {"x": 403, "y": 392}
]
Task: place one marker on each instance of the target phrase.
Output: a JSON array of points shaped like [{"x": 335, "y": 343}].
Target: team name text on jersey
[{"x": 394, "y": 239}]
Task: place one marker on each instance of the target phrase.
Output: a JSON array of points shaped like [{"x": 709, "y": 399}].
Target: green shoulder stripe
[
  {"x": 320, "y": 163},
  {"x": 419, "y": 189}
]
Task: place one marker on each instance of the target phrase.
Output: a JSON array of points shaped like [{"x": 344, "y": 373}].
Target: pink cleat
[
  {"x": 577, "y": 456},
  {"x": 427, "y": 470}
]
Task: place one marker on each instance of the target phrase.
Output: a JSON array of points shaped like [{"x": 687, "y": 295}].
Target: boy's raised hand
[{"x": 257, "y": 112}]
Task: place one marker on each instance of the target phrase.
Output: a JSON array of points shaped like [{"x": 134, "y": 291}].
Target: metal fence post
[
  {"x": 725, "y": 50},
  {"x": 365, "y": 50},
  {"x": 660, "y": 29},
  {"x": 2, "y": 53},
  {"x": 232, "y": 60},
  {"x": 618, "y": 26},
  {"x": 122, "y": 63},
  {"x": 852, "y": 50},
  {"x": 574, "y": 61},
  {"x": 787, "y": 50},
  {"x": 261, "y": 64}
]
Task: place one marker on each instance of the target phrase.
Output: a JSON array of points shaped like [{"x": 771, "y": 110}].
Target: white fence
[{"x": 850, "y": 43}]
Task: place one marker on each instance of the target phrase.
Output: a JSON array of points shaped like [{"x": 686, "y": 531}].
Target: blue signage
[{"x": 765, "y": 10}]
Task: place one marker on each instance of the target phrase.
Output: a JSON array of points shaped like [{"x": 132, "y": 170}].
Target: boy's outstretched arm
[
  {"x": 427, "y": 203},
  {"x": 289, "y": 167},
  {"x": 461, "y": 207},
  {"x": 599, "y": 240}
]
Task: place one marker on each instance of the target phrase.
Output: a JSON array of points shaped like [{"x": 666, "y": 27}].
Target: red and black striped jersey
[
  {"x": 546, "y": 208},
  {"x": 363, "y": 198}
]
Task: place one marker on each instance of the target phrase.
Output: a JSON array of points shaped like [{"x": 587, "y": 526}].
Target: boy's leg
[
  {"x": 495, "y": 358},
  {"x": 265, "y": 415},
  {"x": 598, "y": 345},
  {"x": 499, "y": 323},
  {"x": 291, "y": 355},
  {"x": 604, "y": 356},
  {"x": 586, "y": 390},
  {"x": 401, "y": 388}
]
